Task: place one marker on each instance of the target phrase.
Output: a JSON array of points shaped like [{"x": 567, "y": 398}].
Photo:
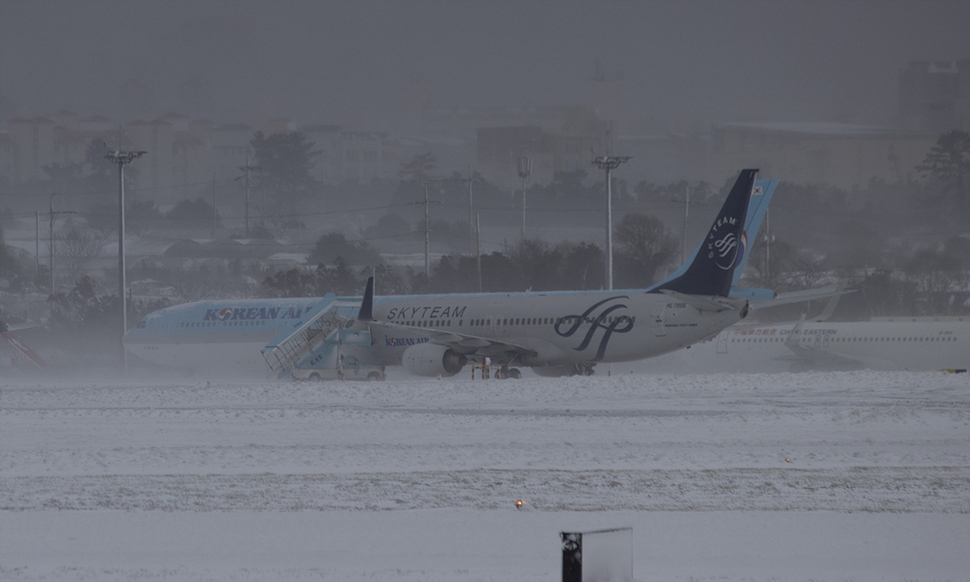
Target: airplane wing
[{"x": 800, "y": 296}]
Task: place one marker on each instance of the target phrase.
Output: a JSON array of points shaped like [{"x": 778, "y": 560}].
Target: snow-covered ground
[{"x": 836, "y": 476}]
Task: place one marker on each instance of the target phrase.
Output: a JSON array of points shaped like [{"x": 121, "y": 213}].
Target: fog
[{"x": 348, "y": 62}]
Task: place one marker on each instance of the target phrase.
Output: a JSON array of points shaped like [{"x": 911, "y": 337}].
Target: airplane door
[
  {"x": 658, "y": 320},
  {"x": 722, "y": 342},
  {"x": 490, "y": 323}
]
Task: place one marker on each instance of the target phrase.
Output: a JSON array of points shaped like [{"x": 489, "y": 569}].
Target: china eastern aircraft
[
  {"x": 889, "y": 344},
  {"x": 554, "y": 333}
]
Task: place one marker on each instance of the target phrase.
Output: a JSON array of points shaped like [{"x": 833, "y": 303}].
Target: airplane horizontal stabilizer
[
  {"x": 800, "y": 296},
  {"x": 700, "y": 303}
]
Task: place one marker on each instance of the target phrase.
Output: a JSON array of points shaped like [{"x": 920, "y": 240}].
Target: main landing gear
[{"x": 505, "y": 372}]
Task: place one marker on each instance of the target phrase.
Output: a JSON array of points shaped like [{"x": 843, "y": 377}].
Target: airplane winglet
[{"x": 366, "y": 312}]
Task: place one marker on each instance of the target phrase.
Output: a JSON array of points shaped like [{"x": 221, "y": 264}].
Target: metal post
[
  {"x": 608, "y": 163},
  {"x": 478, "y": 249},
  {"x": 213, "y": 205},
  {"x": 122, "y": 158},
  {"x": 525, "y": 170},
  {"x": 609, "y": 231},
  {"x": 683, "y": 253},
  {"x": 471, "y": 206},
  {"x": 427, "y": 231},
  {"x": 52, "y": 243},
  {"x": 245, "y": 176},
  {"x": 247, "y": 194},
  {"x": 122, "y": 282},
  {"x": 36, "y": 243}
]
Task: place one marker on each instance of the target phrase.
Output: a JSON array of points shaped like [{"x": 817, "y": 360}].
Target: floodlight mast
[
  {"x": 609, "y": 163},
  {"x": 121, "y": 159},
  {"x": 524, "y": 170}
]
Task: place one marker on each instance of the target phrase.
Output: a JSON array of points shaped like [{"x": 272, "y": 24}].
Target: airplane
[
  {"x": 554, "y": 333},
  {"x": 912, "y": 344},
  {"x": 20, "y": 352}
]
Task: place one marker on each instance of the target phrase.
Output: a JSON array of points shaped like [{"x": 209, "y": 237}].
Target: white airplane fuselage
[
  {"x": 554, "y": 333},
  {"x": 878, "y": 345},
  {"x": 558, "y": 329}
]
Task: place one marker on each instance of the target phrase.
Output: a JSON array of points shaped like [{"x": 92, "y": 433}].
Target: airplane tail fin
[
  {"x": 760, "y": 198},
  {"x": 366, "y": 312},
  {"x": 711, "y": 270}
]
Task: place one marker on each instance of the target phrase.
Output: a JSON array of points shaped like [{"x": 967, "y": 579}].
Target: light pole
[
  {"x": 525, "y": 170},
  {"x": 122, "y": 158},
  {"x": 609, "y": 163},
  {"x": 427, "y": 229},
  {"x": 246, "y": 169},
  {"x": 52, "y": 217},
  {"x": 52, "y": 243}
]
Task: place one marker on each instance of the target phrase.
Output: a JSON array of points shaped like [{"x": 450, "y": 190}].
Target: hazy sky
[{"x": 348, "y": 62}]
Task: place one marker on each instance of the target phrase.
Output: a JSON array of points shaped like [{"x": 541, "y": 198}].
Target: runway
[{"x": 837, "y": 476}]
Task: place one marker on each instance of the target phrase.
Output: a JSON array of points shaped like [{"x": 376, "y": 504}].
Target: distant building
[
  {"x": 609, "y": 98},
  {"x": 934, "y": 96},
  {"x": 152, "y": 176},
  {"x": 8, "y": 158},
  {"x": 277, "y": 125},
  {"x": 566, "y": 150},
  {"x": 831, "y": 153},
  {"x": 328, "y": 163},
  {"x": 33, "y": 142},
  {"x": 229, "y": 145},
  {"x": 70, "y": 145}
]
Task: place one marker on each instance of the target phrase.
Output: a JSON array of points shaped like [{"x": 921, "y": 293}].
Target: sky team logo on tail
[
  {"x": 739, "y": 257},
  {"x": 726, "y": 249}
]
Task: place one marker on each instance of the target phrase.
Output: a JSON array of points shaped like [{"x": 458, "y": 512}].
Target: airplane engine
[{"x": 432, "y": 359}]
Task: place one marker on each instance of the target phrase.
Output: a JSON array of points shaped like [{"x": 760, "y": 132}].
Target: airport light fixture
[
  {"x": 122, "y": 159},
  {"x": 608, "y": 164}
]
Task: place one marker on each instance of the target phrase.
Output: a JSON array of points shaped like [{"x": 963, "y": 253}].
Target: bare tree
[
  {"x": 643, "y": 245},
  {"x": 76, "y": 249}
]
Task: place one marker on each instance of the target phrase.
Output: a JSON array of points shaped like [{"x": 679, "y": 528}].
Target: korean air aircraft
[{"x": 554, "y": 333}]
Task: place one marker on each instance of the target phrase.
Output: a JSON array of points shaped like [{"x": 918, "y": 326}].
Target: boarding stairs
[{"x": 321, "y": 327}]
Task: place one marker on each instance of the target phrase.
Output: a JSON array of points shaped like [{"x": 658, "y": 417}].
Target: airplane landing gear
[{"x": 584, "y": 369}]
